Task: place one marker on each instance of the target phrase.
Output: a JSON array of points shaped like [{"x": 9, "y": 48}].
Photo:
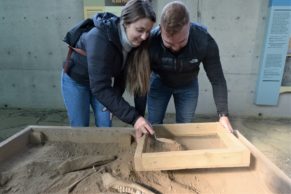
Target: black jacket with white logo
[{"x": 178, "y": 69}]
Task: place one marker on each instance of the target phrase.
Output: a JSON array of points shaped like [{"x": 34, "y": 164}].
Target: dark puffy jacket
[
  {"x": 178, "y": 69},
  {"x": 104, "y": 63}
]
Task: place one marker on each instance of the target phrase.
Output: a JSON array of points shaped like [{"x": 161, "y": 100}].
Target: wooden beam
[
  {"x": 86, "y": 134},
  {"x": 275, "y": 178},
  {"x": 188, "y": 129},
  {"x": 138, "y": 163},
  {"x": 190, "y": 159},
  {"x": 14, "y": 144}
]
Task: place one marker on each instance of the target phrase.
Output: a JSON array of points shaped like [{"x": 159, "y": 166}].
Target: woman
[{"x": 116, "y": 56}]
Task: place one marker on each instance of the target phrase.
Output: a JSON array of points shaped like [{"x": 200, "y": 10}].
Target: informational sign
[
  {"x": 91, "y": 7},
  {"x": 115, "y": 2},
  {"x": 274, "y": 53}
]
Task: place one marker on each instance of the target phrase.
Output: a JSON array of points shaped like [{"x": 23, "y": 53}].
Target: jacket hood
[
  {"x": 108, "y": 23},
  {"x": 101, "y": 20}
]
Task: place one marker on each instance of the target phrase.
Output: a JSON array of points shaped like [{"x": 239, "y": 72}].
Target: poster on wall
[
  {"x": 273, "y": 58},
  {"x": 286, "y": 81},
  {"x": 114, "y": 6},
  {"x": 91, "y": 7},
  {"x": 115, "y": 2}
]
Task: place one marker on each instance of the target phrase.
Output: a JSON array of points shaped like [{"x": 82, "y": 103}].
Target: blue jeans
[
  {"x": 78, "y": 99},
  {"x": 185, "y": 100}
]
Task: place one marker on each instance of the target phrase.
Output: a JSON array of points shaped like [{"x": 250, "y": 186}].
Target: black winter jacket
[
  {"x": 103, "y": 64},
  {"x": 178, "y": 69}
]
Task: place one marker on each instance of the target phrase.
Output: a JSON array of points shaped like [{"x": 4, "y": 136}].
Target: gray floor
[{"x": 270, "y": 136}]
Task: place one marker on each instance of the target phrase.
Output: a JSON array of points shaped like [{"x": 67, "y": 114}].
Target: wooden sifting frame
[{"x": 232, "y": 154}]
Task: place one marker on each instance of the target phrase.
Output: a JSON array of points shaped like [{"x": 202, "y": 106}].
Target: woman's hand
[
  {"x": 224, "y": 121},
  {"x": 142, "y": 126}
]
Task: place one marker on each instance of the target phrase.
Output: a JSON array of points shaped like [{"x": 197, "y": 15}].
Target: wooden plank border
[
  {"x": 122, "y": 136},
  {"x": 35, "y": 134},
  {"x": 14, "y": 144}
]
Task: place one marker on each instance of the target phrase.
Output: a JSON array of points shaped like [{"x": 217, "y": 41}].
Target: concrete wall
[{"x": 32, "y": 51}]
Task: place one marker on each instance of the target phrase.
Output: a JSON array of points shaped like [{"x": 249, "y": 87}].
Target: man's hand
[
  {"x": 224, "y": 121},
  {"x": 142, "y": 126}
]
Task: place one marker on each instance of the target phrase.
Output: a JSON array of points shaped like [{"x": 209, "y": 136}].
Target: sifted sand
[{"x": 35, "y": 171}]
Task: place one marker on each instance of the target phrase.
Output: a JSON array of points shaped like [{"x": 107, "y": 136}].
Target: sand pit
[
  {"x": 36, "y": 171},
  {"x": 66, "y": 160}
]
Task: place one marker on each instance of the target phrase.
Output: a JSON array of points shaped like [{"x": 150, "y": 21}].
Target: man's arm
[{"x": 213, "y": 68}]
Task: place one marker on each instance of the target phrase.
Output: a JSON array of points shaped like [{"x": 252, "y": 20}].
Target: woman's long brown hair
[{"x": 138, "y": 63}]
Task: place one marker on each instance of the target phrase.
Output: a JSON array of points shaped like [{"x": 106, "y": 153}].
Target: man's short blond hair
[{"x": 174, "y": 16}]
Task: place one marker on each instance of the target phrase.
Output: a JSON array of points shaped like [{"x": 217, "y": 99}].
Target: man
[{"x": 176, "y": 51}]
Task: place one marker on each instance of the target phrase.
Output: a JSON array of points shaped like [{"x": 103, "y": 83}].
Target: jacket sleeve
[
  {"x": 100, "y": 56},
  {"x": 212, "y": 66}
]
